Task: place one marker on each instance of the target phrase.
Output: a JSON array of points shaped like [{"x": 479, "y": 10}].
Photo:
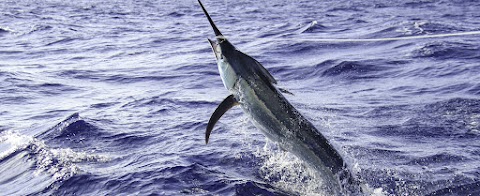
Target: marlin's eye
[{"x": 220, "y": 38}]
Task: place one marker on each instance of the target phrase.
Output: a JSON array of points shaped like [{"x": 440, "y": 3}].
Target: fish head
[{"x": 222, "y": 49}]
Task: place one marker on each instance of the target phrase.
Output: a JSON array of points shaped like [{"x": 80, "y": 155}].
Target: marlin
[{"x": 253, "y": 88}]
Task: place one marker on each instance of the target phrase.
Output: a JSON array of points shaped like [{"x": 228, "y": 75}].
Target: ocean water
[{"x": 113, "y": 97}]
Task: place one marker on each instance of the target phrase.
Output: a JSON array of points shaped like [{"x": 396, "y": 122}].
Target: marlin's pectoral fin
[{"x": 226, "y": 104}]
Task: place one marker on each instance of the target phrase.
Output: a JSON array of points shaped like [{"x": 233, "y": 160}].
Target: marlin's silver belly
[{"x": 228, "y": 75}]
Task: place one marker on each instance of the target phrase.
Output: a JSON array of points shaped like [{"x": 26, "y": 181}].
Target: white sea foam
[
  {"x": 11, "y": 141},
  {"x": 58, "y": 162},
  {"x": 6, "y": 29},
  {"x": 473, "y": 124},
  {"x": 279, "y": 168},
  {"x": 287, "y": 172}
]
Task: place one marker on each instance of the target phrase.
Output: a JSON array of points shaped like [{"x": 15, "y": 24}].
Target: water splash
[
  {"x": 287, "y": 172},
  {"x": 277, "y": 167},
  {"x": 11, "y": 141}
]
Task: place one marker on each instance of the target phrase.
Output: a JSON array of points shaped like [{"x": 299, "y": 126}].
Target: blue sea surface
[{"x": 113, "y": 97}]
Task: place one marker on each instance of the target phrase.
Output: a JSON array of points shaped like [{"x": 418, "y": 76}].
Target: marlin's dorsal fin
[
  {"x": 283, "y": 90},
  {"x": 226, "y": 104},
  {"x": 264, "y": 72},
  {"x": 260, "y": 70}
]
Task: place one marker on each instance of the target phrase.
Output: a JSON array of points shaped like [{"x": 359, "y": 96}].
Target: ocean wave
[
  {"x": 475, "y": 90},
  {"x": 350, "y": 70},
  {"x": 447, "y": 50},
  {"x": 58, "y": 164},
  {"x": 436, "y": 159},
  {"x": 403, "y": 112},
  {"x": 445, "y": 119},
  {"x": 5, "y": 30},
  {"x": 39, "y": 28},
  {"x": 62, "y": 41},
  {"x": 130, "y": 141},
  {"x": 472, "y": 188},
  {"x": 355, "y": 69}
]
